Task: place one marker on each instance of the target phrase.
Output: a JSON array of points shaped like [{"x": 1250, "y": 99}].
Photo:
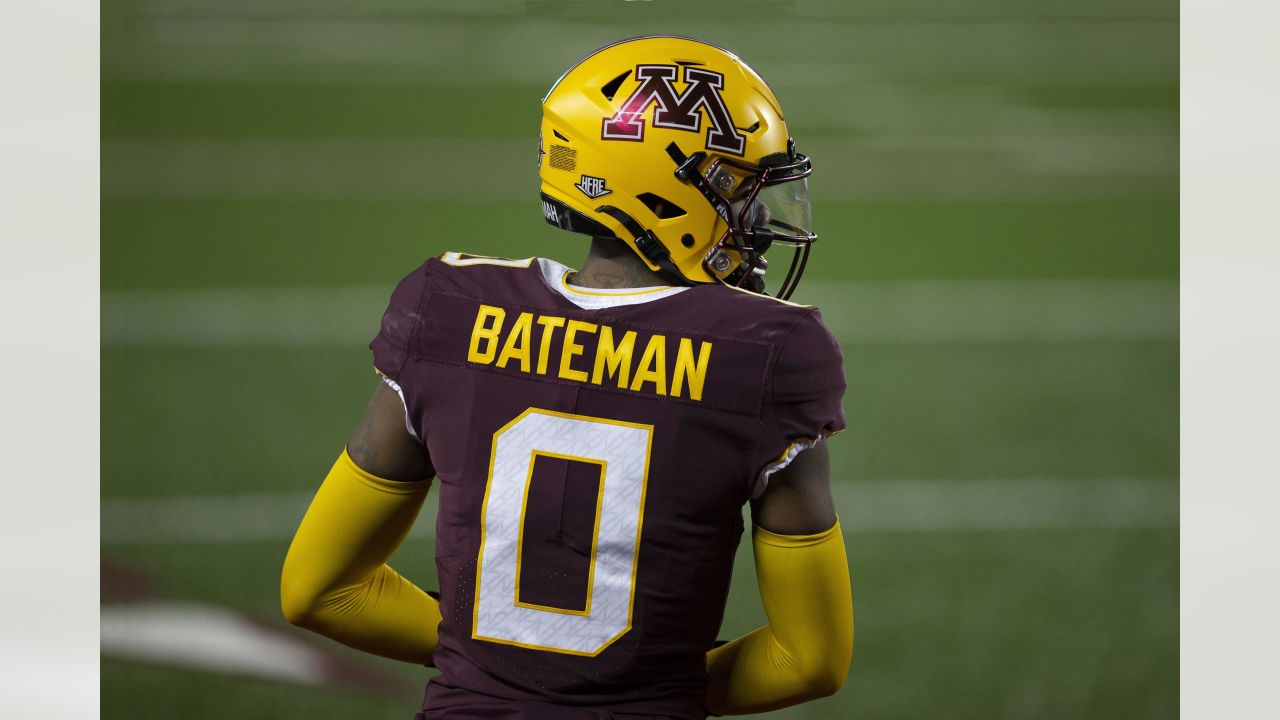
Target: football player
[{"x": 595, "y": 433}]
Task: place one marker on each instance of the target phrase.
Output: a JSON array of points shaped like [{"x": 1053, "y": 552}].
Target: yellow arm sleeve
[
  {"x": 805, "y": 650},
  {"x": 336, "y": 581}
]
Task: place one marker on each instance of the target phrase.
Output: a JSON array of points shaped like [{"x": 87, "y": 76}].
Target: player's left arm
[
  {"x": 335, "y": 580},
  {"x": 804, "y": 652}
]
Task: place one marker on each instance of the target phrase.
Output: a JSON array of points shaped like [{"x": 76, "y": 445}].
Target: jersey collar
[{"x": 555, "y": 273}]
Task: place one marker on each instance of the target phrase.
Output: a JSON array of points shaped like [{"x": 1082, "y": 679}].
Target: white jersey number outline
[{"x": 621, "y": 450}]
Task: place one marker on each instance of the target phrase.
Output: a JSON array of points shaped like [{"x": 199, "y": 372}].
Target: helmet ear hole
[
  {"x": 660, "y": 206},
  {"x": 610, "y": 88}
]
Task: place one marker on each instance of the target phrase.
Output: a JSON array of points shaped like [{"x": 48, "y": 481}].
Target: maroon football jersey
[{"x": 593, "y": 450}]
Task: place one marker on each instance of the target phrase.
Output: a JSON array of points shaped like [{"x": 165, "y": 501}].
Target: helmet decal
[
  {"x": 675, "y": 110},
  {"x": 592, "y": 187}
]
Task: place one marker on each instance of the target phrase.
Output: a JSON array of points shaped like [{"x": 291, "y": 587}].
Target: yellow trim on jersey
[
  {"x": 767, "y": 297},
  {"x": 793, "y": 450},
  {"x": 595, "y": 535},
  {"x": 456, "y": 259},
  {"x": 635, "y": 558},
  {"x": 564, "y": 283},
  {"x": 785, "y": 453}
]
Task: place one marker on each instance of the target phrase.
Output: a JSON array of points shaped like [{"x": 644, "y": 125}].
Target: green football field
[{"x": 995, "y": 188}]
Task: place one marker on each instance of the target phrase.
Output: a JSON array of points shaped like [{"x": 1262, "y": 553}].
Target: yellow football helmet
[{"x": 680, "y": 149}]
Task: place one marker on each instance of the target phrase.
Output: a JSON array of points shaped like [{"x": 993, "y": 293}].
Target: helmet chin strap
[{"x": 647, "y": 243}]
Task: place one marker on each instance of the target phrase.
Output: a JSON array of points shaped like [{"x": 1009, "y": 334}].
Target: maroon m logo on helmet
[{"x": 677, "y": 111}]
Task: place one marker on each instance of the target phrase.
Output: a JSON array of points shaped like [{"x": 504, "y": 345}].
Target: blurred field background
[{"x": 996, "y": 193}]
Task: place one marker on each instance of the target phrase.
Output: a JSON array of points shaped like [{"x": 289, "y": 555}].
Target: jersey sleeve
[
  {"x": 393, "y": 346},
  {"x": 401, "y": 322},
  {"x": 806, "y": 393}
]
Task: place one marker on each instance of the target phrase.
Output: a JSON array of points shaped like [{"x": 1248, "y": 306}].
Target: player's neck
[{"x": 610, "y": 264}]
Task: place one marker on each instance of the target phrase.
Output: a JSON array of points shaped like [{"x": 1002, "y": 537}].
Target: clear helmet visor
[
  {"x": 780, "y": 204},
  {"x": 783, "y": 208}
]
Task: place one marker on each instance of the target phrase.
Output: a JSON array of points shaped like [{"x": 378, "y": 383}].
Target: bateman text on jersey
[{"x": 496, "y": 342}]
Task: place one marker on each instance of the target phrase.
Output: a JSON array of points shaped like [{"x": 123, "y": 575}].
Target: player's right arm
[{"x": 336, "y": 581}]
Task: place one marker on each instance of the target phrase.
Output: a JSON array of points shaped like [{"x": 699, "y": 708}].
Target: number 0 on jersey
[{"x": 621, "y": 449}]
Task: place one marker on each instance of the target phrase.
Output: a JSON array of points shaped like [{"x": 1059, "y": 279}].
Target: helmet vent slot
[
  {"x": 611, "y": 88},
  {"x": 563, "y": 157},
  {"x": 562, "y": 137},
  {"x": 660, "y": 206}
]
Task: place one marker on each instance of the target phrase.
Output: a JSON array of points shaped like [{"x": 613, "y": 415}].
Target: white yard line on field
[
  {"x": 1025, "y": 504},
  {"x": 898, "y": 505},
  {"x": 1039, "y": 159},
  {"x": 859, "y": 313},
  {"x": 219, "y": 639},
  {"x": 348, "y": 45},
  {"x": 208, "y": 638},
  {"x": 996, "y": 311}
]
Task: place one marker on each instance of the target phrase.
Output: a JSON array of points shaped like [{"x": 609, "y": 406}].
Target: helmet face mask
[
  {"x": 680, "y": 150},
  {"x": 769, "y": 205}
]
